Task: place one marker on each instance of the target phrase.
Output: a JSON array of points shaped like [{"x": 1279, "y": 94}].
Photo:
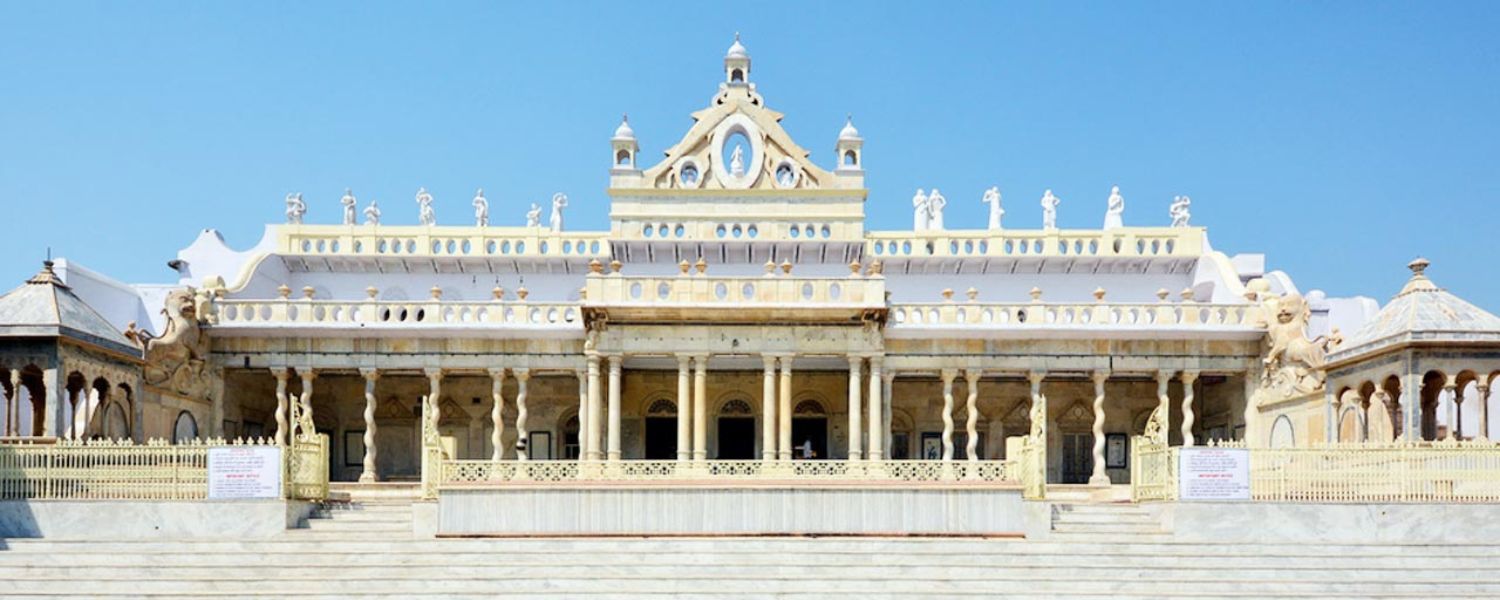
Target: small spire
[
  {"x": 47, "y": 276},
  {"x": 1419, "y": 281}
]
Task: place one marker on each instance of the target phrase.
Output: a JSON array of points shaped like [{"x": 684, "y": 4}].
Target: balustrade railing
[
  {"x": 698, "y": 290},
  {"x": 482, "y": 472},
  {"x": 1041, "y": 314},
  {"x": 432, "y": 242},
  {"x": 1345, "y": 472},
  {"x": 403, "y": 313},
  {"x": 123, "y": 470},
  {"x": 1125, "y": 242}
]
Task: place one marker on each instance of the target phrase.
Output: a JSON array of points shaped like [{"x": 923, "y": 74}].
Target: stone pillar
[
  {"x": 700, "y": 407},
  {"x": 856, "y": 424},
  {"x": 948, "y": 376},
  {"x": 614, "y": 407},
  {"x": 596, "y": 410},
  {"x": 282, "y": 374},
  {"x": 1411, "y": 404},
  {"x": 768, "y": 408},
  {"x": 1483, "y": 391},
  {"x": 1188, "y": 378},
  {"x": 684, "y": 407},
  {"x": 784, "y": 412},
  {"x": 1450, "y": 397},
  {"x": 1164, "y": 402},
  {"x": 52, "y": 404},
  {"x": 13, "y": 405},
  {"x": 889, "y": 400},
  {"x": 523, "y": 437},
  {"x": 304, "y": 403},
  {"x": 583, "y": 413},
  {"x": 878, "y": 429},
  {"x": 971, "y": 448},
  {"x": 497, "y": 410},
  {"x": 369, "y": 475},
  {"x": 70, "y": 413},
  {"x": 434, "y": 408},
  {"x": 1099, "y": 477}
]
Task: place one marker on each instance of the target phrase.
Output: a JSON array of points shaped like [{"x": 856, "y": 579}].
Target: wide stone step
[
  {"x": 358, "y": 526},
  {"x": 171, "y": 558},
  {"x": 969, "y": 572},
  {"x": 1149, "y": 527},
  {"x": 315, "y": 593},
  {"x": 297, "y": 541},
  {"x": 714, "y": 584},
  {"x": 1102, "y": 518}
]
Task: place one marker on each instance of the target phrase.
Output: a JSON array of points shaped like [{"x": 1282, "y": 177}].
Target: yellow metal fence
[
  {"x": 1349, "y": 472},
  {"x": 123, "y": 470}
]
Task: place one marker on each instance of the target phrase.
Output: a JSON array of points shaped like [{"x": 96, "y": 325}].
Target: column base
[
  {"x": 1099, "y": 480},
  {"x": 368, "y": 477}
]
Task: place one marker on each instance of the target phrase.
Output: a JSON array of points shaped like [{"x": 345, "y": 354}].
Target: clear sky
[{"x": 1342, "y": 139}]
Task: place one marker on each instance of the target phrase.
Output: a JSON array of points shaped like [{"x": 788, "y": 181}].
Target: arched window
[
  {"x": 622, "y": 158},
  {"x": 809, "y": 408},
  {"x": 662, "y": 407},
  {"x": 736, "y": 408},
  {"x": 737, "y": 76},
  {"x": 186, "y": 428},
  {"x": 1282, "y": 433},
  {"x": 116, "y": 424},
  {"x": 850, "y": 160}
]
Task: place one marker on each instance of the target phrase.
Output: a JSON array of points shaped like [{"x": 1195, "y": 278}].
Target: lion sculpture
[
  {"x": 1294, "y": 364},
  {"x": 178, "y": 358}
]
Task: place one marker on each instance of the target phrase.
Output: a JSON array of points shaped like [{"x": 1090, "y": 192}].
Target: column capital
[
  {"x": 856, "y": 362},
  {"x": 1188, "y": 377},
  {"x": 684, "y": 360},
  {"x": 521, "y": 374},
  {"x": 614, "y": 361},
  {"x": 307, "y": 374},
  {"x": 281, "y": 373},
  {"x": 949, "y": 375},
  {"x": 1036, "y": 376},
  {"x": 496, "y": 372},
  {"x": 1164, "y": 375},
  {"x": 433, "y": 373},
  {"x": 769, "y": 361},
  {"x": 370, "y": 374},
  {"x": 973, "y": 375},
  {"x": 1100, "y": 376}
]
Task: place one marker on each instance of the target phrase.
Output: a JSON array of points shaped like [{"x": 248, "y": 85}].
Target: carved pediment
[
  {"x": 393, "y": 409},
  {"x": 453, "y": 414},
  {"x": 737, "y": 144}
]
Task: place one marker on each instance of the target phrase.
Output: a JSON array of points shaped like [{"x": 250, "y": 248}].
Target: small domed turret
[
  {"x": 624, "y": 132},
  {"x": 624, "y": 149},
  {"x": 849, "y": 132},
  {"x": 737, "y": 63}
]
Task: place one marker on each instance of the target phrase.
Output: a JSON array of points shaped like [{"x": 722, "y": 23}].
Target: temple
[{"x": 739, "y": 323}]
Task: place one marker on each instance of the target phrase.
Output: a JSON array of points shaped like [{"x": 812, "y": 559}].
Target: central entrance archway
[{"x": 661, "y": 430}]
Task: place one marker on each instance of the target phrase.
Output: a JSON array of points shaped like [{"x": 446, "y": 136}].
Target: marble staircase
[
  {"x": 362, "y": 556},
  {"x": 1113, "y": 521}
]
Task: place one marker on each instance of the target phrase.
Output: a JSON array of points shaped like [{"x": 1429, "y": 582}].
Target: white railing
[
  {"x": 813, "y": 230},
  {"x": 368, "y": 312},
  {"x": 430, "y": 242},
  {"x": 487, "y": 472},
  {"x": 699, "y": 290},
  {"x": 1041, "y": 314},
  {"x": 1134, "y": 242},
  {"x": 1345, "y": 472}
]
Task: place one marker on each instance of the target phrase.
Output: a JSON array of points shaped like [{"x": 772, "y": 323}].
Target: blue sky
[{"x": 1340, "y": 138}]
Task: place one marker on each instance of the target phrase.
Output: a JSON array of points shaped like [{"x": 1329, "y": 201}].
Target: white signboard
[
  {"x": 1213, "y": 473},
  {"x": 244, "y": 472}
]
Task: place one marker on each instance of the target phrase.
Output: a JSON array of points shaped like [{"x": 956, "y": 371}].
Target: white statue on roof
[
  {"x": 992, "y": 198},
  {"x": 920, "y": 212},
  {"x": 424, "y": 205},
  {"x": 534, "y": 216},
  {"x": 295, "y": 209},
  {"x": 1179, "y": 211},
  {"x": 372, "y": 214},
  {"x": 559, "y": 200},
  {"x": 1114, "y": 213},
  {"x": 481, "y": 209},
  {"x": 935, "y": 204},
  {"x": 1049, "y": 210},
  {"x": 349, "y": 207}
]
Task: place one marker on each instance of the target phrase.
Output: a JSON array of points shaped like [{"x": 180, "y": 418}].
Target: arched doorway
[
  {"x": 185, "y": 429},
  {"x": 809, "y": 430},
  {"x": 661, "y": 430},
  {"x": 736, "y": 430}
]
